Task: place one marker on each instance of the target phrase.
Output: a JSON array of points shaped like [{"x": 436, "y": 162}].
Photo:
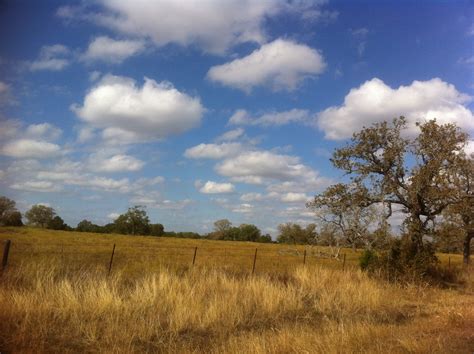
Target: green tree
[
  {"x": 12, "y": 218},
  {"x": 57, "y": 223},
  {"x": 134, "y": 222},
  {"x": 249, "y": 232},
  {"x": 9, "y": 215},
  {"x": 157, "y": 230},
  {"x": 87, "y": 226},
  {"x": 40, "y": 215},
  {"x": 295, "y": 234}
]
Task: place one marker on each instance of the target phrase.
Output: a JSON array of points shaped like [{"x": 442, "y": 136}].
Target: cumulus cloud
[
  {"x": 260, "y": 165},
  {"x": 129, "y": 113},
  {"x": 32, "y": 141},
  {"x": 213, "y": 151},
  {"x": 281, "y": 65},
  {"x": 212, "y": 25},
  {"x": 25, "y": 148},
  {"x": 292, "y": 197},
  {"x": 5, "y": 94},
  {"x": 242, "y": 117},
  {"x": 110, "y": 50},
  {"x": 37, "y": 186},
  {"x": 211, "y": 187},
  {"x": 115, "y": 163},
  {"x": 374, "y": 101},
  {"x": 231, "y": 135},
  {"x": 51, "y": 57}
]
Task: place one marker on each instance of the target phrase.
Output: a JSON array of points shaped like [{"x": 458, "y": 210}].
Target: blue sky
[{"x": 203, "y": 110}]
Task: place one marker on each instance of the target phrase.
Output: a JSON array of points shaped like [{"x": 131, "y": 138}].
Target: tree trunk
[{"x": 467, "y": 246}]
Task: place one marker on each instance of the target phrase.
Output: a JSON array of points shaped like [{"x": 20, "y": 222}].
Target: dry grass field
[{"x": 56, "y": 296}]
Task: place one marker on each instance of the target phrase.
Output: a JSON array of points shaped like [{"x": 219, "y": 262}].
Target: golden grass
[{"x": 57, "y": 305}]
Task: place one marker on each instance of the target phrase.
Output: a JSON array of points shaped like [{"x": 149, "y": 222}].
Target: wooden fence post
[
  {"x": 304, "y": 257},
  {"x": 194, "y": 257},
  {"x": 6, "y": 251},
  {"x": 111, "y": 259},
  {"x": 344, "y": 261},
  {"x": 449, "y": 263},
  {"x": 254, "y": 261}
]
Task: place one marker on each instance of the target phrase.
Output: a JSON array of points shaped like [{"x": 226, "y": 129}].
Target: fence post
[
  {"x": 6, "y": 251},
  {"x": 111, "y": 260},
  {"x": 449, "y": 263},
  {"x": 344, "y": 261},
  {"x": 254, "y": 261},
  {"x": 194, "y": 257},
  {"x": 304, "y": 257}
]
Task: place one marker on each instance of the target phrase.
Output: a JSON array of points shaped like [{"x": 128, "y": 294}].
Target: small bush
[{"x": 368, "y": 259}]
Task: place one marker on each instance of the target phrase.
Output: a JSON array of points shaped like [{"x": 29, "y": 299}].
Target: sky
[{"x": 211, "y": 109}]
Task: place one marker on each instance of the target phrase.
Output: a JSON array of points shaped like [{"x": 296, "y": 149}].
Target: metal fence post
[
  {"x": 6, "y": 251},
  {"x": 194, "y": 257},
  {"x": 254, "y": 261},
  {"x": 111, "y": 260}
]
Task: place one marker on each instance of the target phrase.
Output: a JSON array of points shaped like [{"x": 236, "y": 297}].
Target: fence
[{"x": 137, "y": 257}]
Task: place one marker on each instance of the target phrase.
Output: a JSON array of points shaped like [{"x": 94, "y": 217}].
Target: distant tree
[
  {"x": 87, "y": 226},
  {"x": 157, "y": 230},
  {"x": 134, "y": 222},
  {"x": 249, "y": 232},
  {"x": 265, "y": 239},
  {"x": 40, "y": 215},
  {"x": 12, "y": 218},
  {"x": 295, "y": 234},
  {"x": 9, "y": 215},
  {"x": 57, "y": 223}
]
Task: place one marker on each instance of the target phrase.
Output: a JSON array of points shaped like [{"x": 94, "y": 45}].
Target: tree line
[{"x": 427, "y": 178}]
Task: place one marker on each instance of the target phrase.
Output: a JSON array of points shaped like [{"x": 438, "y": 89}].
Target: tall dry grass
[{"x": 45, "y": 308}]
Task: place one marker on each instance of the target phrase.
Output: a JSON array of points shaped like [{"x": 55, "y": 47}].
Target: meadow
[{"x": 56, "y": 296}]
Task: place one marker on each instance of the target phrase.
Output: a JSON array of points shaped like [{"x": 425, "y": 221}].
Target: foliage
[
  {"x": 295, "y": 234},
  {"x": 223, "y": 230},
  {"x": 134, "y": 222},
  {"x": 9, "y": 215},
  {"x": 387, "y": 168},
  {"x": 157, "y": 230},
  {"x": 57, "y": 223},
  {"x": 367, "y": 259},
  {"x": 40, "y": 215},
  {"x": 12, "y": 218}
]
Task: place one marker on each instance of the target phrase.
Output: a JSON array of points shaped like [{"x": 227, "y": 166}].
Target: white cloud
[
  {"x": 24, "y": 148},
  {"x": 106, "y": 49},
  {"x": 213, "y": 151},
  {"x": 281, "y": 65},
  {"x": 115, "y": 163},
  {"x": 136, "y": 114},
  {"x": 469, "y": 149},
  {"x": 5, "y": 94},
  {"x": 213, "y": 25},
  {"x": 259, "y": 165},
  {"x": 242, "y": 117},
  {"x": 292, "y": 197},
  {"x": 211, "y": 187},
  {"x": 251, "y": 197},
  {"x": 51, "y": 57},
  {"x": 42, "y": 131},
  {"x": 37, "y": 186},
  {"x": 231, "y": 135},
  {"x": 374, "y": 101},
  {"x": 113, "y": 216},
  {"x": 244, "y": 208}
]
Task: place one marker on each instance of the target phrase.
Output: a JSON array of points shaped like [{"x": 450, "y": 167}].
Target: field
[{"x": 56, "y": 296}]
